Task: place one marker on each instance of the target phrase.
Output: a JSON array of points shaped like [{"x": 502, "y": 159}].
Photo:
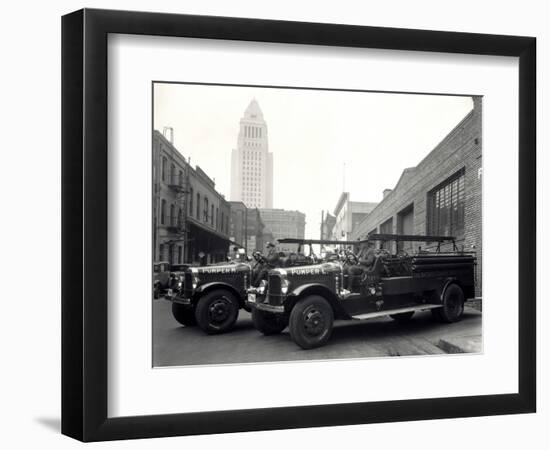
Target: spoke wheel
[
  {"x": 311, "y": 322},
  {"x": 217, "y": 311},
  {"x": 453, "y": 304}
]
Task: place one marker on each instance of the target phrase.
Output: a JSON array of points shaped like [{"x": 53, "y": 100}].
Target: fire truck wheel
[
  {"x": 453, "y": 304},
  {"x": 402, "y": 317},
  {"x": 311, "y": 322},
  {"x": 268, "y": 323},
  {"x": 217, "y": 311},
  {"x": 184, "y": 314}
]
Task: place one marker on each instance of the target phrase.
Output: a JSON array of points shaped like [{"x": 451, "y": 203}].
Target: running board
[{"x": 387, "y": 312}]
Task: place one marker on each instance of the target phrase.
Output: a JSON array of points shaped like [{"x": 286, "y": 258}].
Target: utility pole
[
  {"x": 344, "y": 177},
  {"x": 246, "y": 230}
]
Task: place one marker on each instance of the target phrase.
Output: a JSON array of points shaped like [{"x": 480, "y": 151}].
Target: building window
[
  {"x": 212, "y": 216},
  {"x": 198, "y": 206},
  {"x": 172, "y": 174},
  {"x": 180, "y": 217},
  {"x": 161, "y": 252},
  {"x": 205, "y": 218},
  {"x": 217, "y": 217},
  {"x": 163, "y": 169},
  {"x": 191, "y": 202},
  {"x": 162, "y": 212},
  {"x": 172, "y": 215},
  {"x": 181, "y": 178},
  {"x": 446, "y": 207}
]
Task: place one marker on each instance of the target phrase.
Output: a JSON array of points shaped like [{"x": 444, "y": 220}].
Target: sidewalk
[{"x": 463, "y": 339}]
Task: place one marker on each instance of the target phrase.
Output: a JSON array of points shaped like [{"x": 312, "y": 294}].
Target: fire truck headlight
[
  {"x": 262, "y": 287},
  {"x": 284, "y": 286}
]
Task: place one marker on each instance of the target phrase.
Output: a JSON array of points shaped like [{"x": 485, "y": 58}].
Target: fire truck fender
[
  {"x": 446, "y": 284},
  {"x": 207, "y": 287},
  {"x": 313, "y": 289}
]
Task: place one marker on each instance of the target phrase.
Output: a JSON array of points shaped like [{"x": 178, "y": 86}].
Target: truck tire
[
  {"x": 269, "y": 323},
  {"x": 402, "y": 317},
  {"x": 185, "y": 315},
  {"x": 311, "y": 322},
  {"x": 217, "y": 311},
  {"x": 453, "y": 304}
]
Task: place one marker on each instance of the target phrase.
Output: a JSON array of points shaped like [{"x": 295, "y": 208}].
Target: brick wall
[{"x": 460, "y": 149}]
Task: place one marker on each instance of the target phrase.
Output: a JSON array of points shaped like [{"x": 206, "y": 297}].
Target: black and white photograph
[
  {"x": 275, "y": 225},
  {"x": 295, "y": 224}
]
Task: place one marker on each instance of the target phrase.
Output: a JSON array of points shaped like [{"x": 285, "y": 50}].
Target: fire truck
[{"x": 308, "y": 299}]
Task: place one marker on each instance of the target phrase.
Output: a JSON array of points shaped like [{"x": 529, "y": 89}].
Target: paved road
[{"x": 174, "y": 344}]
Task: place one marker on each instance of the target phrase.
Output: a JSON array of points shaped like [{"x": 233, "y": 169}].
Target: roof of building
[{"x": 253, "y": 111}]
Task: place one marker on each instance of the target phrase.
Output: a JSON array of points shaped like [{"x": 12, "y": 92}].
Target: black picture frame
[{"x": 84, "y": 224}]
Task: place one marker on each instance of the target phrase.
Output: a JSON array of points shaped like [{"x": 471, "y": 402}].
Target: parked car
[
  {"x": 161, "y": 278},
  {"x": 308, "y": 299},
  {"x": 211, "y": 296}
]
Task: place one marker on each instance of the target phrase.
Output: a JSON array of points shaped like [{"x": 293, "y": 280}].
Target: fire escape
[{"x": 176, "y": 223}]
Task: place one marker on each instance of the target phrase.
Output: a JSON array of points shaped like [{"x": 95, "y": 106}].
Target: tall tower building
[{"x": 251, "y": 161}]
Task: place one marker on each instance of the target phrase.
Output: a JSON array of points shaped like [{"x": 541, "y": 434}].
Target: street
[{"x": 176, "y": 345}]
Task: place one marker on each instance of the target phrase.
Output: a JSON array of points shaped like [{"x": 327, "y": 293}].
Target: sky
[{"x": 323, "y": 142}]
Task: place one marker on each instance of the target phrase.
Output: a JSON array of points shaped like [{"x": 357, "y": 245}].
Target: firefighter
[
  {"x": 270, "y": 261},
  {"x": 365, "y": 261}
]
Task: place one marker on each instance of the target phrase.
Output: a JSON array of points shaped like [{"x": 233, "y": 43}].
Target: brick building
[
  {"x": 254, "y": 231},
  {"x": 348, "y": 215},
  {"x": 327, "y": 224},
  {"x": 190, "y": 218},
  {"x": 237, "y": 223},
  {"x": 284, "y": 224},
  {"x": 441, "y": 195},
  {"x": 246, "y": 227}
]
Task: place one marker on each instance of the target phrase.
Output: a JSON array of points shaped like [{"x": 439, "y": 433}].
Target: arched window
[
  {"x": 180, "y": 178},
  {"x": 191, "y": 202},
  {"x": 172, "y": 174},
  {"x": 162, "y": 212},
  {"x": 180, "y": 217},
  {"x": 205, "y": 218}
]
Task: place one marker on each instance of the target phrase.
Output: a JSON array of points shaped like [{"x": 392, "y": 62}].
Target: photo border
[{"x": 84, "y": 224}]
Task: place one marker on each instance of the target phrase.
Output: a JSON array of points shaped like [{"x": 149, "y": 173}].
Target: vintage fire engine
[
  {"x": 211, "y": 296},
  {"x": 308, "y": 299}
]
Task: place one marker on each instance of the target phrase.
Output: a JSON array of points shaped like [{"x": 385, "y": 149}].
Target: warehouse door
[{"x": 405, "y": 225}]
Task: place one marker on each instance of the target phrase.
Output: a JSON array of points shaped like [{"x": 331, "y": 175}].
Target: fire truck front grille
[{"x": 274, "y": 283}]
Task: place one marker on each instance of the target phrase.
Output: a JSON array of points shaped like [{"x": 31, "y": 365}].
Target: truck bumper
[{"x": 174, "y": 298}]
